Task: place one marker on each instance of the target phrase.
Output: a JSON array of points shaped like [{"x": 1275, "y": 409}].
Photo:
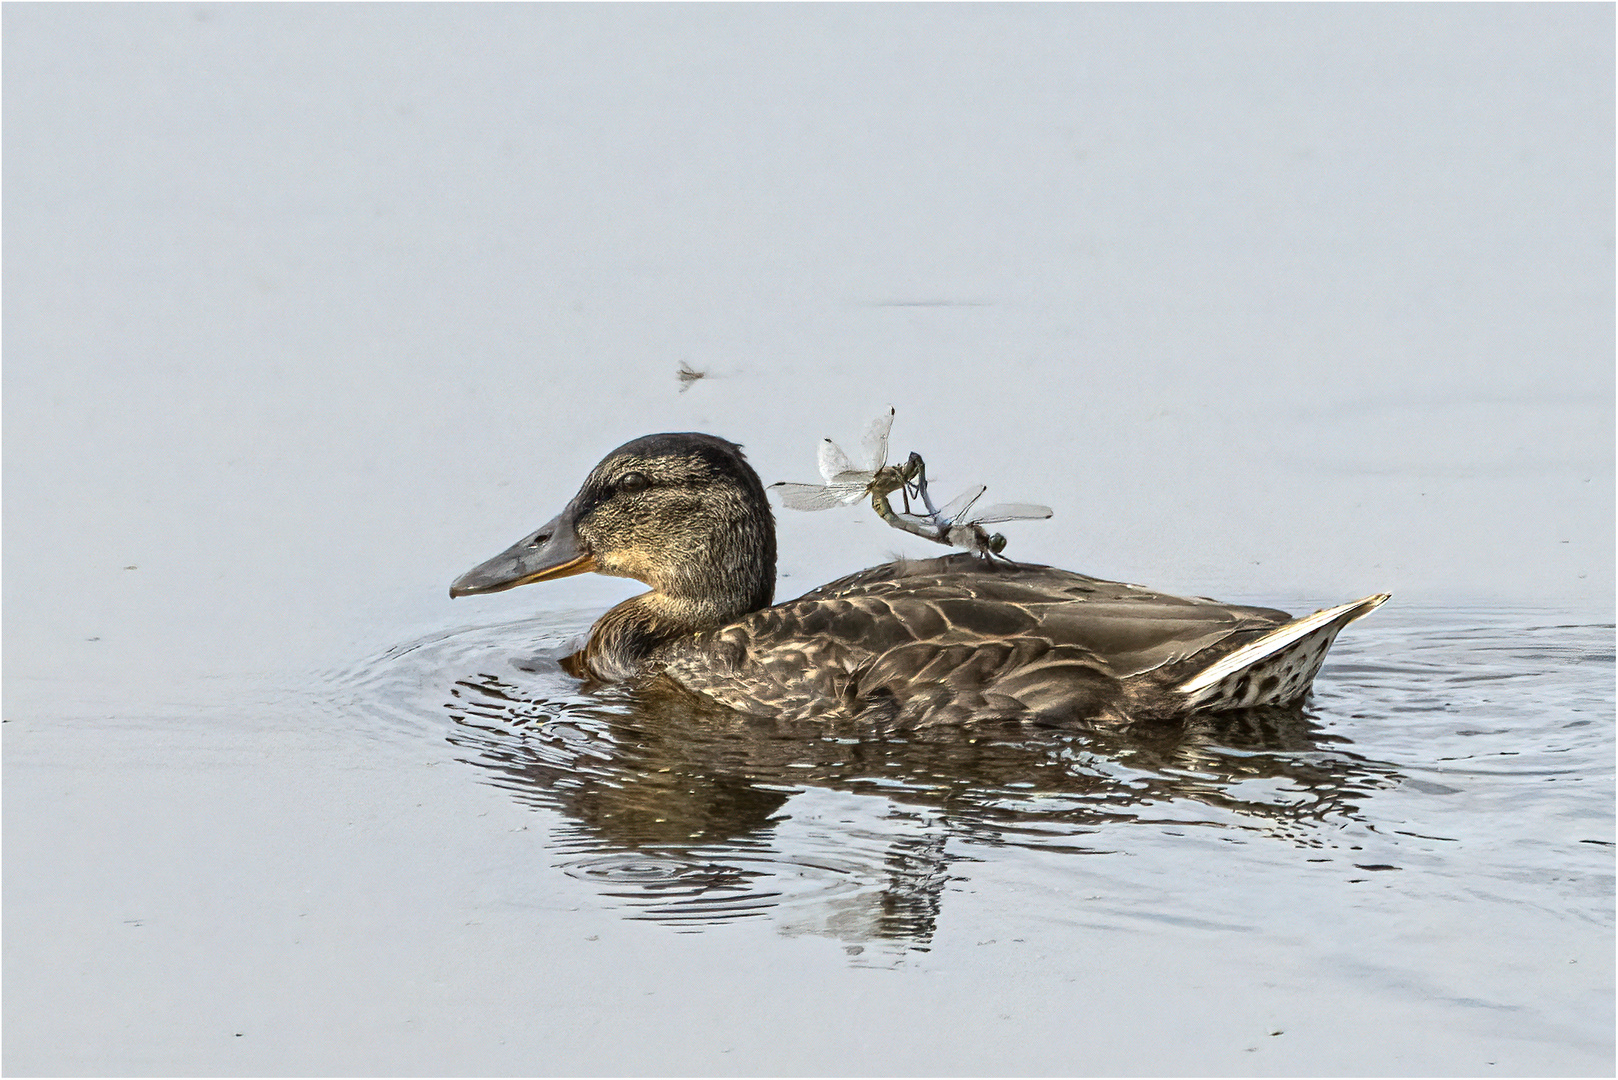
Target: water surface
[
  {"x": 1411, "y": 746},
  {"x": 308, "y": 309}
]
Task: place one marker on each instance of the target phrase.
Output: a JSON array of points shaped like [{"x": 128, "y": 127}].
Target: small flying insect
[{"x": 688, "y": 375}]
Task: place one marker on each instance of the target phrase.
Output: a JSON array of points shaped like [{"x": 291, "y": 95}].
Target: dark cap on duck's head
[{"x": 683, "y": 512}]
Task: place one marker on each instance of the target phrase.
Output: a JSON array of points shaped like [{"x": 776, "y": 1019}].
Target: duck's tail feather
[{"x": 1278, "y": 668}]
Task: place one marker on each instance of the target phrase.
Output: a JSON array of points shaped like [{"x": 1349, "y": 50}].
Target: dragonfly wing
[
  {"x": 967, "y": 536},
  {"x": 875, "y": 442},
  {"x": 1010, "y": 512},
  {"x": 808, "y": 496},
  {"x": 851, "y": 486},
  {"x": 833, "y": 460},
  {"x": 957, "y": 507}
]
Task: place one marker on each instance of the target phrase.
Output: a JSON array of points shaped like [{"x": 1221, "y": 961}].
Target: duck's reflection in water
[{"x": 679, "y": 810}]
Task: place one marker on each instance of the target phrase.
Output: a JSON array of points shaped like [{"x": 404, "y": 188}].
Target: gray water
[{"x": 310, "y": 309}]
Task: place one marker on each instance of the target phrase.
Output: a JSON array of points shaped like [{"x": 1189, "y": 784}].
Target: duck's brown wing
[
  {"x": 958, "y": 638},
  {"x": 1129, "y": 628}
]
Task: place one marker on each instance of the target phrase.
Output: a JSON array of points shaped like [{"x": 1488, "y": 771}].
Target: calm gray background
[{"x": 310, "y": 308}]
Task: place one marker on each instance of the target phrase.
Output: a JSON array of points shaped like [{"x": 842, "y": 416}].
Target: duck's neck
[
  {"x": 723, "y": 569},
  {"x": 624, "y": 638},
  {"x": 631, "y": 633}
]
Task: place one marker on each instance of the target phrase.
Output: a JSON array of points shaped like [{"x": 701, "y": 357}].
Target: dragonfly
[
  {"x": 951, "y": 525},
  {"x": 846, "y": 484}
]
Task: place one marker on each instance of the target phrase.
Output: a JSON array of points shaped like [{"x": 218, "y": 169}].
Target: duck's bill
[{"x": 551, "y": 551}]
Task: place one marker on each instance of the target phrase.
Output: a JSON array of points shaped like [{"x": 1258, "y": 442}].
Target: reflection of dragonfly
[{"x": 845, "y": 484}]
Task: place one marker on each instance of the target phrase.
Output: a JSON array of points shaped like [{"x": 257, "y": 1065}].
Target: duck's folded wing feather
[{"x": 940, "y": 643}]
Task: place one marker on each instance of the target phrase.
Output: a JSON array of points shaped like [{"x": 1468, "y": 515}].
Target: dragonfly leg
[{"x": 920, "y": 484}]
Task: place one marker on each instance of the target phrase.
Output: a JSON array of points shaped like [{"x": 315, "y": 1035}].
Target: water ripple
[{"x": 697, "y": 817}]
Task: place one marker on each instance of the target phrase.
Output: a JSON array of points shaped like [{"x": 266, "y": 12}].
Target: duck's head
[{"x": 683, "y": 512}]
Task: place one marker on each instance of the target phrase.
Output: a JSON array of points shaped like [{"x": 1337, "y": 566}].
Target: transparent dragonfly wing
[
  {"x": 969, "y": 537},
  {"x": 875, "y": 442},
  {"x": 853, "y": 486},
  {"x": 833, "y": 462},
  {"x": 990, "y": 515},
  {"x": 957, "y": 507},
  {"x": 814, "y": 496}
]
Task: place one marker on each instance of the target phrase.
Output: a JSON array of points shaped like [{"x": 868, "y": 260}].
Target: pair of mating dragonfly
[{"x": 949, "y": 524}]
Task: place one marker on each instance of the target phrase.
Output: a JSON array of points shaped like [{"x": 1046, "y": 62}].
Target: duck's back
[{"x": 959, "y": 638}]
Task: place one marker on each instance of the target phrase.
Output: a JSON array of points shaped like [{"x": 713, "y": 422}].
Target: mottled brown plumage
[
  {"x": 962, "y": 637},
  {"x": 906, "y": 644}
]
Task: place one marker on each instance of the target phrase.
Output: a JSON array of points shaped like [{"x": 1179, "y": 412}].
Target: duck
[{"x": 911, "y": 643}]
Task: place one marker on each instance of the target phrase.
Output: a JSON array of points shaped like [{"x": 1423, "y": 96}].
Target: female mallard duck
[{"x": 910, "y": 642}]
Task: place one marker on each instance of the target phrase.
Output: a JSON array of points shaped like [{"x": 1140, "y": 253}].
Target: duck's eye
[{"x": 633, "y": 482}]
